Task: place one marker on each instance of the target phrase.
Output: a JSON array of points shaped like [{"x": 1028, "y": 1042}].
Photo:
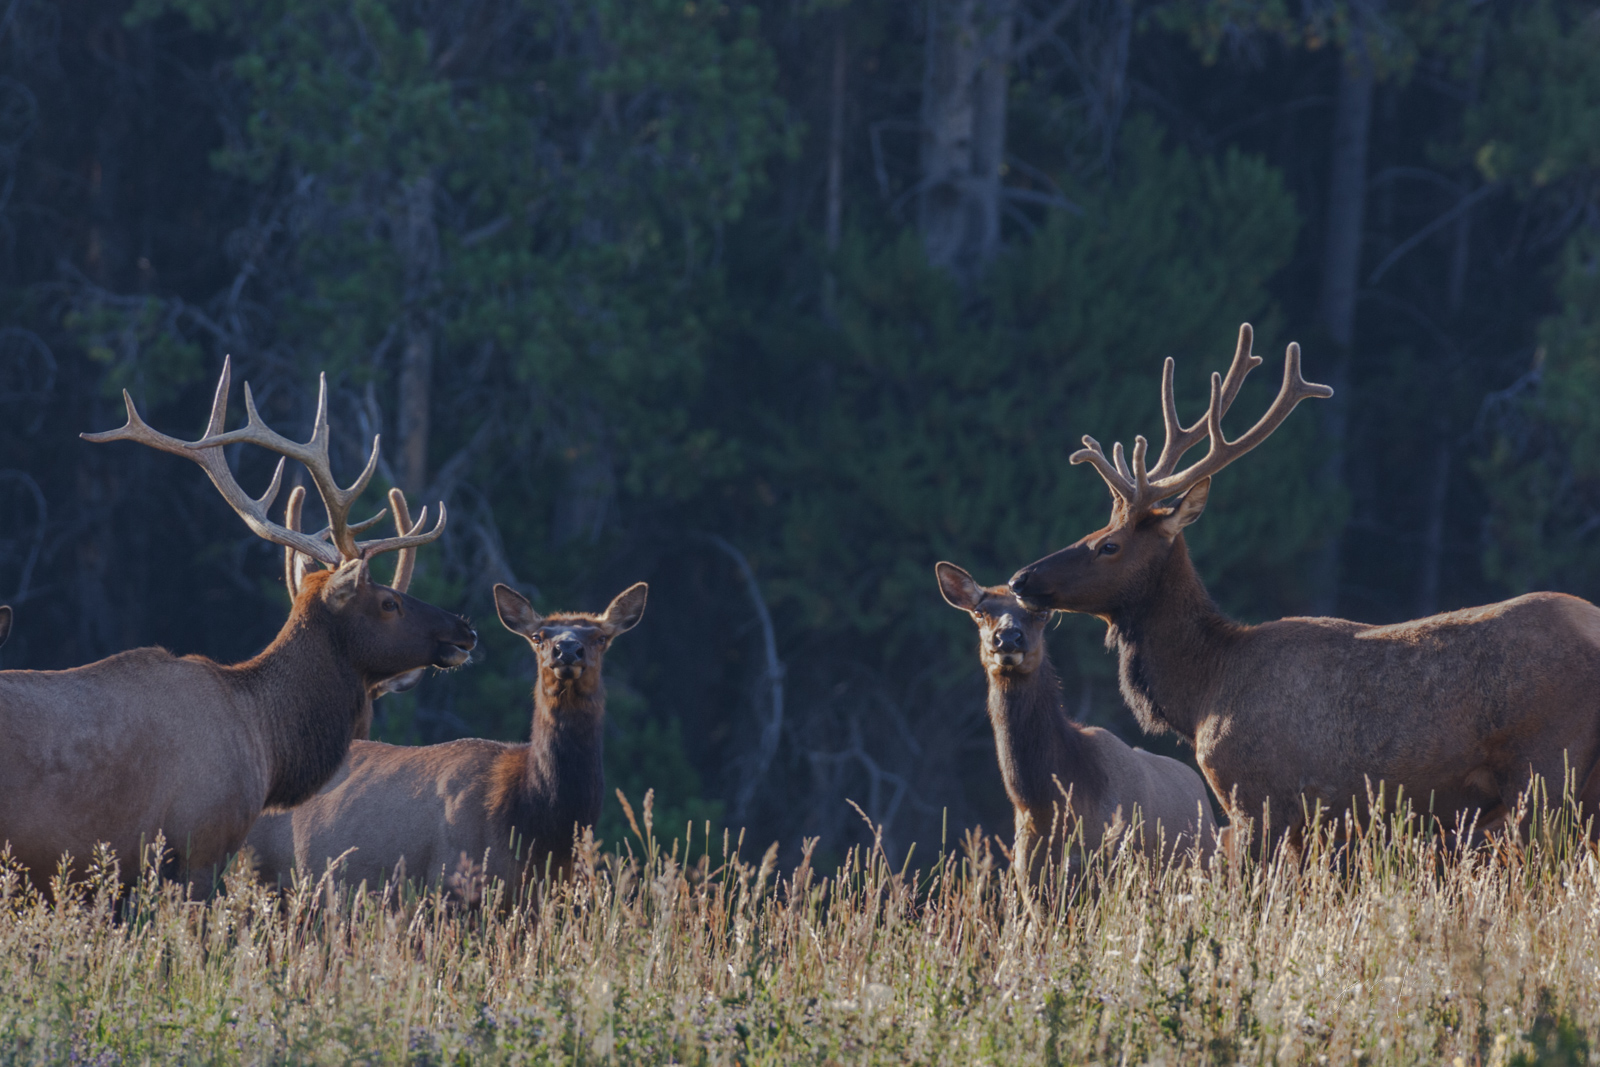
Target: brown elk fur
[
  {"x": 1459, "y": 710},
  {"x": 1045, "y": 756},
  {"x": 513, "y": 808},
  {"x": 146, "y": 742}
]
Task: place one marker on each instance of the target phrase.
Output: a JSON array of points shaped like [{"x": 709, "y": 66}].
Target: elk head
[
  {"x": 570, "y": 646},
  {"x": 379, "y": 629},
  {"x": 1118, "y": 564},
  {"x": 1010, "y": 635}
]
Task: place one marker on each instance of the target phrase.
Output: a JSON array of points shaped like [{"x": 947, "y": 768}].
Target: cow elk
[
  {"x": 146, "y": 742},
  {"x": 1059, "y": 775},
  {"x": 509, "y": 809},
  {"x": 1459, "y": 711}
]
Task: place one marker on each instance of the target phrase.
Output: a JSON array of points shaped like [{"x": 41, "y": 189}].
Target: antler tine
[
  {"x": 1093, "y": 454},
  {"x": 1181, "y": 438},
  {"x": 1222, "y": 451},
  {"x": 208, "y": 453},
  {"x": 294, "y": 561},
  {"x": 1244, "y": 361},
  {"x": 314, "y": 455},
  {"x": 406, "y": 562},
  {"x": 410, "y": 539}
]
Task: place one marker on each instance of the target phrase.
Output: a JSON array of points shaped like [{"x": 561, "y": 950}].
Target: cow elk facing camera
[
  {"x": 1059, "y": 775},
  {"x": 505, "y": 811}
]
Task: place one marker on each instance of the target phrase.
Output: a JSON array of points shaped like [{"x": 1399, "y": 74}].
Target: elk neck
[
  {"x": 1038, "y": 743},
  {"x": 1171, "y": 642},
  {"x": 308, "y": 698},
  {"x": 560, "y": 779}
]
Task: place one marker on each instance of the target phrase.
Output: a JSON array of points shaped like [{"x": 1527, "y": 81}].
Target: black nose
[
  {"x": 569, "y": 652},
  {"x": 1008, "y": 640},
  {"x": 1019, "y": 583}
]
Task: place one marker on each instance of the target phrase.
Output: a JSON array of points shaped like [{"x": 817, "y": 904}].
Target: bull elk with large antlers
[
  {"x": 513, "y": 808},
  {"x": 1459, "y": 710},
  {"x": 147, "y": 742},
  {"x": 1058, "y": 773}
]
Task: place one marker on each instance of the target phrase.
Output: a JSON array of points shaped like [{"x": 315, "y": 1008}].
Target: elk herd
[{"x": 1459, "y": 712}]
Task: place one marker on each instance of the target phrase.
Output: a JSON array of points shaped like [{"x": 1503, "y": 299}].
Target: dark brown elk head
[
  {"x": 379, "y": 630},
  {"x": 1120, "y": 564},
  {"x": 1010, "y": 635},
  {"x": 570, "y": 646}
]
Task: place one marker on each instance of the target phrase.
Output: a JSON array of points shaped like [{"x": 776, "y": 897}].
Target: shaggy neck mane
[
  {"x": 1039, "y": 743},
  {"x": 1170, "y": 638},
  {"x": 556, "y": 781},
  {"x": 309, "y": 696}
]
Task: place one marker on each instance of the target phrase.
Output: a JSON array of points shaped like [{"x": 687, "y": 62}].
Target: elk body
[
  {"x": 146, "y": 742},
  {"x": 1458, "y": 710},
  {"x": 422, "y": 811},
  {"x": 1045, "y": 757}
]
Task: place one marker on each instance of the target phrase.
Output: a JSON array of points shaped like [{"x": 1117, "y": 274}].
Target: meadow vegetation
[{"x": 1381, "y": 946}]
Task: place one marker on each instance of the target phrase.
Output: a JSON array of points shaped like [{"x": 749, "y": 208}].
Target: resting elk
[
  {"x": 147, "y": 742},
  {"x": 1459, "y": 710},
  {"x": 513, "y": 808},
  {"x": 1047, "y": 760}
]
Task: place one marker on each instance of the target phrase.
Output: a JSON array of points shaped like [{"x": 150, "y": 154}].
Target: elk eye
[
  {"x": 1109, "y": 548},
  {"x": 389, "y": 605}
]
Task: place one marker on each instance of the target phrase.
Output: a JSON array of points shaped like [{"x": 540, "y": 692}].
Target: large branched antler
[
  {"x": 332, "y": 546},
  {"x": 1139, "y": 489}
]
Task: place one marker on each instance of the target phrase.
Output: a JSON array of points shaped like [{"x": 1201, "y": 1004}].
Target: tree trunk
[
  {"x": 833, "y": 224},
  {"x": 418, "y": 239},
  {"x": 966, "y": 76},
  {"x": 1341, "y": 266}
]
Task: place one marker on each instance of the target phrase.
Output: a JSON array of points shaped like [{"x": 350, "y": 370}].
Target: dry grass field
[{"x": 1382, "y": 949}]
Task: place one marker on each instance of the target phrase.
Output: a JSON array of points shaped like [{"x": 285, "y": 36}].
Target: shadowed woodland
[{"x": 773, "y": 305}]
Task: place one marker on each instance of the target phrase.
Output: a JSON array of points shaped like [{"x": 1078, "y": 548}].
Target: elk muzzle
[
  {"x": 1010, "y": 644},
  {"x": 455, "y": 647},
  {"x": 1044, "y": 584},
  {"x": 567, "y": 658}
]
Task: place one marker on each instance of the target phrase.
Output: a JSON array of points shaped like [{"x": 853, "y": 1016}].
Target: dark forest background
[{"x": 775, "y": 304}]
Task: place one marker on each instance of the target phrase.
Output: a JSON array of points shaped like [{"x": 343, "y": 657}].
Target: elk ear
[
  {"x": 1188, "y": 508},
  {"x": 351, "y": 578},
  {"x": 5, "y": 622},
  {"x": 958, "y": 587},
  {"x": 516, "y": 612},
  {"x": 624, "y": 612}
]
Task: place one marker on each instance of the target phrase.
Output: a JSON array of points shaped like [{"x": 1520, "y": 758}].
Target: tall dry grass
[{"x": 1376, "y": 947}]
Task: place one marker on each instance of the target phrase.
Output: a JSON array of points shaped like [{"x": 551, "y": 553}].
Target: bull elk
[
  {"x": 512, "y": 807},
  {"x": 1049, "y": 762},
  {"x": 147, "y": 742},
  {"x": 1459, "y": 710}
]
